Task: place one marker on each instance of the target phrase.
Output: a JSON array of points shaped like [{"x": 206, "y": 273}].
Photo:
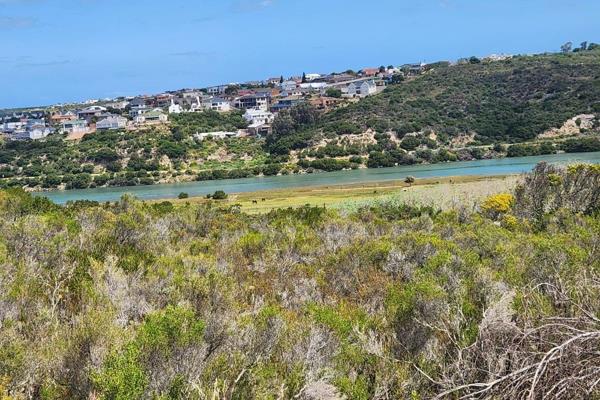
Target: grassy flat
[{"x": 441, "y": 192}]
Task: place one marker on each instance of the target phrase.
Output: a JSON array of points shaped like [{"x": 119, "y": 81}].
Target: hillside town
[{"x": 260, "y": 101}]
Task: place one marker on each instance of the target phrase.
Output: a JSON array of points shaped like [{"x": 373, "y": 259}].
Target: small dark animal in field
[
  {"x": 263, "y": 199},
  {"x": 374, "y": 191},
  {"x": 254, "y": 201}
]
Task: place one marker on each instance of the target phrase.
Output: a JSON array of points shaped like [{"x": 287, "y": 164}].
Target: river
[{"x": 502, "y": 166}]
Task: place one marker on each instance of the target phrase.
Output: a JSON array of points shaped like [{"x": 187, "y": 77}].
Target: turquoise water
[{"x": 480, "y": 167}]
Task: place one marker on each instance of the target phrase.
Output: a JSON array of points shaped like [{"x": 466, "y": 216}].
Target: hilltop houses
[{"x": 259, "y": 101}]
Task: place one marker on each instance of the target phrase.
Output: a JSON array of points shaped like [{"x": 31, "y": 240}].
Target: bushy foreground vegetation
[{"x": 135, "y": 300}]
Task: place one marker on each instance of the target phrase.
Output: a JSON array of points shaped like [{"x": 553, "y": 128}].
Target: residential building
[
  {"x": 118, "y": 105},
  {"x": 175, "y": 108},
  {"x": 258, "y": 116},
  {"x": 362, "y": 88},
  {"x": 413, "y": 69},
  {"x": 259, "y": 100},
  {"x": 90, "y": 112},
  {"x": 138, "y": 102},
  {"x": 297, "y": 92},
  {"x": 36, "y": 132},
  {"x": 216, "y": 104},
  {"x": 57, "y": 118},
  {"x": 112, "y": 122},
  {"x": 154, "y": 116},
  {"x": 218, "y": 135},
  {"x": 259, "y": 129},
  {"x": 75, "y": 126},
  {"x": 369, "y": 71},
  {"x": 286, "y": 103},
  {"x": 325, "y": 103},
  {"x": 137, "y": 110},
  {"x": 312, "y": 77},
  {"x": 312, "y": 86},
  {"x": 161, "y": 100},
  {"x": 338, "y": 78},
  {"x": 217, "y": 90},
  {"x": 288, "y": 85}
]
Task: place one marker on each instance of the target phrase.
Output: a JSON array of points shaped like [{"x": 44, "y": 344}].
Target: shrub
[
  {"x": 497, "y": 204},
  {"x": 219, "y": 195}
]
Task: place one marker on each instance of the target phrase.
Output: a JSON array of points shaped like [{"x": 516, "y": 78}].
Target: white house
[
  {"x": 312, "y": 77},
  {"x": 362, "y": 89},
  {"x": 138, "y": 110},
  {"x": 313, "y": 85},
  {"x": 217, "y": 90},
  {"x": 75, "y": 126},
  {"x": 216, "y": 104},
  {"x": 114, "y": 122},
  {"x": 218, "y": 135},
  {"x": 175, "y": 108},
  {"x": 39, "y": 132},
  {"x": 288, "y": 85},
  {"x": 258, "y": 116},
  {"x": 151, "y": 116}
]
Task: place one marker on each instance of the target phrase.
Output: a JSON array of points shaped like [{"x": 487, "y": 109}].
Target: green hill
[{"x": 503, "y": 101}]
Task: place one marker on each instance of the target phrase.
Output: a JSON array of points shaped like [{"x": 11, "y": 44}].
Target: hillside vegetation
[
  {"x": 502, "y": 101},
  {"x": 132, "y": 300}
]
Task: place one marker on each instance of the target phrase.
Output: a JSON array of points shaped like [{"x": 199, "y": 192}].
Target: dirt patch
[
  {"x": 462, "y": 140},
  {"x": 572, "y": 127}
]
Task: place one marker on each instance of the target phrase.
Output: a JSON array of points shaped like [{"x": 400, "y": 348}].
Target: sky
[{"x": 55, "y": 51}]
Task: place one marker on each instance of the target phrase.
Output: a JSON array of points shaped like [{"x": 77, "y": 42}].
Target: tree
[
  {"x": 219, "y": 195},
  {"x": 566, "y": 48},
  {"x": 410, "y": 143},
  {"x": 303, "y": 77},
  {"x": 333, "y": 92},
  {"x": 281, "y": 79},
  {"x": 584, "y": 45},
  {"x": 474, "y": 60},
  {"x": 382, "y": 69},
  {"x": 183, "y": 195},
  {"x": 397, "y": 78}
]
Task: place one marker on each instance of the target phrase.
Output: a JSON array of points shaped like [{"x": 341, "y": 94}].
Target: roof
[
  {"x": 75, "y": 122},
  {"x": 215, "y": 100},
  {"x": 113, "y": 118},
  {"x": 153, "y": 114}
]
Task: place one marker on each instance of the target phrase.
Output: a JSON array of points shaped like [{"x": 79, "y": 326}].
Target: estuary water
[{"x": 502, "y": 166}]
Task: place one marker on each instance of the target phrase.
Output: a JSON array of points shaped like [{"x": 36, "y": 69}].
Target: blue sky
[{"x": 71, "y": 50}]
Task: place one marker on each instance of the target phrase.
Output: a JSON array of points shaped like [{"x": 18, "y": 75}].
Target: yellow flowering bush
[{"x": 497, "y": 204}]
